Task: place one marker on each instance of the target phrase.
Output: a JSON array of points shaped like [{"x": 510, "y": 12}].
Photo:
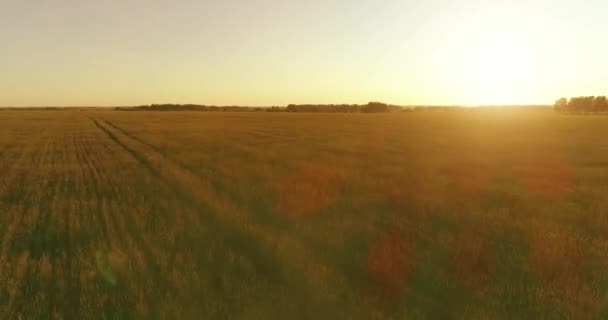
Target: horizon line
[{"x": 282, "y": 106}]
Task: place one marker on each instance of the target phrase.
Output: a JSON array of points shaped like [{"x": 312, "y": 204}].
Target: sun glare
[
  {"x": 498, "y": 68},
  {"x": 499, "y": 73}
]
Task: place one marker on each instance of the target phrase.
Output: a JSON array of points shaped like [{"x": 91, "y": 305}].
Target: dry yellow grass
[
  {"x": 310, "y": 188},
  {"x": 389, "y": 265},
  {"x": 489, "y": 214}
]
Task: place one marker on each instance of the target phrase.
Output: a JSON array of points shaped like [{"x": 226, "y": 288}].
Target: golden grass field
[{"x": 486, "y": 214}]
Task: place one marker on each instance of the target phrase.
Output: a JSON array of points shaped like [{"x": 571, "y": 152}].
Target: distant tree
[
  {"x": 575, "y": 104},
  {"x": 375, "y": 107},
  {"x": 599, "y": 104},
  {"x": 588, "y": 104},
  {"x": 325, "y": 108},
  {"x": 585, "y": 104},
  {"x": 561, "y": 104},
  {"x": 581, "y": 104},
  {"x": 275, "y": 109}
]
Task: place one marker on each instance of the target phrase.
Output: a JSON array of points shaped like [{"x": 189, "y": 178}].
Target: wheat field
[{"x": 486, "y": 214}]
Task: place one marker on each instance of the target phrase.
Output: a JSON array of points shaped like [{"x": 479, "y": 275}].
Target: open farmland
[{"x": 189, "y": 215}]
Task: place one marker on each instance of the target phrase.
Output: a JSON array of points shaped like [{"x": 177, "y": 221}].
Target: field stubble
[{"x": 485, "y": 214}]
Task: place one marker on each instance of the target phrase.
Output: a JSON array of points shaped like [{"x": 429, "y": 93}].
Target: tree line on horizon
[
  {"x": 584, "y": 104},
  {"x": 188, "y": 107},
  {"x": 371, "y": 107}
]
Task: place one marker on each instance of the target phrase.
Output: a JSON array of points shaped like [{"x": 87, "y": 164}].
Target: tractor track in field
[
  {"x": 92, "y": 176},
  {"x": 39, "y": 225},
  {"x": 68, "y": 203},
  {"x": 221, "y": 210},
  {"x": 129, "y": 223},
  {"x": 201, "y": 175},
  {"x": 180, "y": 191},
  {"x": 230, "y": 231},
  {"x": 106, "y": 233},
  {"x": 149, "y": 165}
]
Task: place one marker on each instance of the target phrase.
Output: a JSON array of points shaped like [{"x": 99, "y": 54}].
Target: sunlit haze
[{"x": 276, "y": 52}]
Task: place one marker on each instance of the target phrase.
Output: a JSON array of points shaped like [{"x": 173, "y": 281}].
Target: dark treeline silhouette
[
  {"x": 372, "y": 107},
  {"x": 189, "y": 107},
  {"x": 587, "y": 104},
  {"x": 323, "y": 108}
]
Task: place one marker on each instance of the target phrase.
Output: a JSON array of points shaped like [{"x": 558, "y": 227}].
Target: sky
[{"x": 277, "y": 52}]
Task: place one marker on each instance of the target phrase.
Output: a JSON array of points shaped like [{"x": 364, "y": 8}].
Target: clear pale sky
[{"x": 276, "y": 52}]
